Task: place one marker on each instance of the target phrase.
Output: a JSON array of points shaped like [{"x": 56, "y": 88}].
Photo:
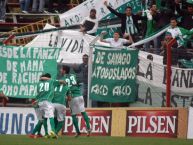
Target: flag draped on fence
[
  {"x": 114, "y": 75},
  {"x": 21, "y": 68}
]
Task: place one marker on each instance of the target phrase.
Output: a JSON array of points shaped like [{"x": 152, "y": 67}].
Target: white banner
[
  {"x": 74, "y": 44},
  {"x": 151, "y": 77},
  {"x": 190, "y": 123},
  {"x": 76, "y": 15}
]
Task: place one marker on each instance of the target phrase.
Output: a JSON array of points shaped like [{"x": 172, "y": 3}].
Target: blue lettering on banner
[
  {"x": 29, "y": 125},
  {"x": 16, "y": 123},
  {"x": 4, "y": 123}
]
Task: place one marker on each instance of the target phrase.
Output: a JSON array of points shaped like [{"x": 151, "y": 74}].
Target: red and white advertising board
[
  {"x": 152, "y": 123},
  {"x": 100, "y": 121}
]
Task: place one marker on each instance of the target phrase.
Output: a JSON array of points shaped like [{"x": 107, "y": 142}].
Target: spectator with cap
[
  {"x": 89, "y": 24},
  {"x": 2, "y": 10},
  {"x": 129, "y": 22},
  {"x": 174, "y": 53},
  {"x": 116, "y": 41}
]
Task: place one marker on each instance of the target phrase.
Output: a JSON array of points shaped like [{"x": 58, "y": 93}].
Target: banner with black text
[
  {"x": 151, "y": 84},
  {"x": 75, "y": 15}
]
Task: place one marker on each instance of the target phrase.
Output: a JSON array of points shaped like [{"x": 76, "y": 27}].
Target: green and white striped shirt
[{"x": 130, "y": 27}]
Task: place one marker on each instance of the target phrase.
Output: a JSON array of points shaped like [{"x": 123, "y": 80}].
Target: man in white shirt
[
  {"x": 89, "y": 24},
  {"x": 116, "y": 41},
  {"x": 178, "y": 32},
  {"x": 181, "y": 35}
]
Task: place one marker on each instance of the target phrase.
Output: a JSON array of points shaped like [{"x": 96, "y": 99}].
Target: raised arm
[
  {"x": 113, "y": 11},
  {"x": 82, "y": 28},
  {"x": 44, "y": 79},
  {"x": 102, "y": 36}
]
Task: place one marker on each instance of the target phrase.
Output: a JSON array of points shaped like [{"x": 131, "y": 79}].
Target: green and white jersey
[
  {"x": 180, "y": 34},
  {"x": 60, "y": 93},
  {"x": 45, "y": 90},
  {"x": 71, "y": 81},
  {"x": 150, "y": 23}
]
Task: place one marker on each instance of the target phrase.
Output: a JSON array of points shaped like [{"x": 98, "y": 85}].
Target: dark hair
[
  {"x": 152, "y": 5},
  {"x": 85, "y": 55},
  {"x": 46, "y": 75},
  {"x": 128, "y": 7},
  {"x": 66, "y": 68},
  {"x": 173, "y": 18},
  {"x": 117, "y": 32},
  {"x": 93, "y": 10}
]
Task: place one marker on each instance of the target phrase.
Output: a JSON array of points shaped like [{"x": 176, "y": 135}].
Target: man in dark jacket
[
  {"x": 83, "y": 69},
  {"x": 129, "y": 21},
  {"x": 187, "y": 15},
  {"x": 162, "y": 19}
]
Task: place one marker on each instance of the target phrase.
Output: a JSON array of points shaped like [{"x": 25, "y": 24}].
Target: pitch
[{"x": 66, "y": 140}]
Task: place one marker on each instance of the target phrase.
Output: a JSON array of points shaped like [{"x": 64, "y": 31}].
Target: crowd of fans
[
  {"x": 153, "y": 17},
  {"x": 156, "y": 15}
]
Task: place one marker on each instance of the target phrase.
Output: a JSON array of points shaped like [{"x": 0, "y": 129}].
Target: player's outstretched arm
[{"x": 44, "y": 79}]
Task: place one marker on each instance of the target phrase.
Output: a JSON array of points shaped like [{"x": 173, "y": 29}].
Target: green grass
[{"x": 66, "y": 140}]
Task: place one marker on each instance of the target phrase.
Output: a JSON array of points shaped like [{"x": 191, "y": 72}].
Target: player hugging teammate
[
  {"x": 51, "y": 104},
  {"x": 43, "y": 106}
]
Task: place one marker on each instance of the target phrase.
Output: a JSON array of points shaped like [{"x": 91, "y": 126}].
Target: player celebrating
[
  {"x": 59, "y": 103},
  {"x": 44, "y": 98},
  {"x": 76, "y": 101}
]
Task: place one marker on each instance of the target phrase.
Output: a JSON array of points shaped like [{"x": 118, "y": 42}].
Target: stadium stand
[
  {"x": 17, "y": 22},
  {"x": 15, "y": 19}
]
